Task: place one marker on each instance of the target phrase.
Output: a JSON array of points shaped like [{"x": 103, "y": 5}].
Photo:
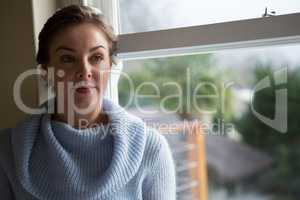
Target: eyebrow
[{"x": 70, "y": 49}]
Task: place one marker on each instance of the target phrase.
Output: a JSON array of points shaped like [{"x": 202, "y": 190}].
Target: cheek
[
  {"x": 62, "y": 80},
  {"x": 101, "y": 78},
  {"x": 66, "y": 78}
]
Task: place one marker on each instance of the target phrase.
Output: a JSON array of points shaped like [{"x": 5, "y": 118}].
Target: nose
[{"x": 84, "y": 72}]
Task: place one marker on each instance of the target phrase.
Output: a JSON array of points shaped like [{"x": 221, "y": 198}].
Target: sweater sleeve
[
  {"x": 5, "y": 189},
  {"x": 160, "y": 184}
]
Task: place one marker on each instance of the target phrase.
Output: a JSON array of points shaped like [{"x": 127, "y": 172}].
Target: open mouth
[{"x": 84, "y": 88}]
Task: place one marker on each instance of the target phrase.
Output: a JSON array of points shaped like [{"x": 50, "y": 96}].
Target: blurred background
[{"x": 245, "y": 158}]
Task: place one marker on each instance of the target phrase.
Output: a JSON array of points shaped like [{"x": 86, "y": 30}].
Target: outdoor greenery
[
  {"x": 193, "y": 75},
  {"x": 284, "y": 178}
]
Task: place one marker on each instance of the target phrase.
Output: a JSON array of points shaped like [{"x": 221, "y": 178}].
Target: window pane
[
  {"x": 236, "y": 96},
  {"x": 148, "y": 15}
]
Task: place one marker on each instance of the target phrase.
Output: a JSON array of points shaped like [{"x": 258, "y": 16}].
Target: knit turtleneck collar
[
  {"x": 56, "y": 142},
  {"x": 77, "y": 140}
]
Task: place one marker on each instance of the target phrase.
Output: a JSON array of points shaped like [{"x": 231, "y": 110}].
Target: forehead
[{"x": 82, "y": 36}]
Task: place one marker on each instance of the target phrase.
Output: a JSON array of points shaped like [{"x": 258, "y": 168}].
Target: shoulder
[
  {"x": 157, "y": 147},
  {"x": 155, "y": 144},
  {"x": 155, "y": 139}
]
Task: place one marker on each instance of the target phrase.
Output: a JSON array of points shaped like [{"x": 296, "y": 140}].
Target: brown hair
[{"x": 68, "y": 16}]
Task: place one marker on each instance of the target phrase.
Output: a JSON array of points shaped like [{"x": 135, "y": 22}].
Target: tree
[
  {"x": 193, "y": 75},
  {"x": 284, "y": 148}
]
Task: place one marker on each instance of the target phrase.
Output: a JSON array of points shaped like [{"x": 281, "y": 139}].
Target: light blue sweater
[{"x": 44, "y": 159}]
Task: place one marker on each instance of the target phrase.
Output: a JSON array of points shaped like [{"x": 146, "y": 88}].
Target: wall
[{"x": 17, "y": 53}]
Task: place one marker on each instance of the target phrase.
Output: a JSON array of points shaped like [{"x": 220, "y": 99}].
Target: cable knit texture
[{"x": 44, "y": 159}]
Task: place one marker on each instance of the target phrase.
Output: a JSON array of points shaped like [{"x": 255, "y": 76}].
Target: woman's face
[{"x": 81, "y": 61}]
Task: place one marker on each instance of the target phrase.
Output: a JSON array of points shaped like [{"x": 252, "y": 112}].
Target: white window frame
[
  {"x": 63, "y": 3},
  {"x": 265, "y": 31},
  {"x": 259, "y": 32}
]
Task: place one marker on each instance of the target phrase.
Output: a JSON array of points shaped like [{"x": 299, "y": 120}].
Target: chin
[{"x": 89, "y": 103}]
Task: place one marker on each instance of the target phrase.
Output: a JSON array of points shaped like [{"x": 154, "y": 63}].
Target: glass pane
[
  {"x": 247, "y": 105},
  {"x": 148, "y": 15}
]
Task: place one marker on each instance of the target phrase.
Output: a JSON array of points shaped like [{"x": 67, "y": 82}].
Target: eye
[
  {"x": 67, "y": 59},
  {"x": 96, "y": 59}
]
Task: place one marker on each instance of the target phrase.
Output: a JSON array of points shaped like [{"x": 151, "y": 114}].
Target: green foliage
[
  {"x": 179, "y": 80},
  {"x": 283, "y": 147}
]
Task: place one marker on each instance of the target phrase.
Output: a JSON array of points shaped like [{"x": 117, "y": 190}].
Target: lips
[
  {"x": 83, "y": 90},
  {"x": 84, "y": 87}
]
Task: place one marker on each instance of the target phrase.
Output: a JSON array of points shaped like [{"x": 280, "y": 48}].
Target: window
[
  {"x": 247, "y": 157},
  {"x": 245, "y": 145},
  {"x": 150, "y": 15}
]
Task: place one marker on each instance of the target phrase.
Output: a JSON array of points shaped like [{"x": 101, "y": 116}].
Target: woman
[{"x": 89, "y": 148}]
